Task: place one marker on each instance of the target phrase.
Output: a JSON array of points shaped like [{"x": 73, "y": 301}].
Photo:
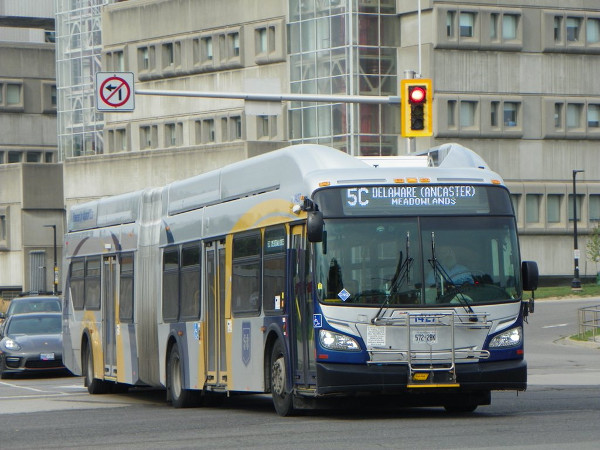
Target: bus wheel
[
  {"x": 180, "y": 398},
  {"x": 282, "y": 400},
  {"x": 94, "y": 385}
]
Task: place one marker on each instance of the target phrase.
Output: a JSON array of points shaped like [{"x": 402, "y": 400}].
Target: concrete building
[
  {"x": 31, "y": 184},
  {"x": 512, "y": 80}
]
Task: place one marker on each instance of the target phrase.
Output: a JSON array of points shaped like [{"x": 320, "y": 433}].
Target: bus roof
[{"x": 298, "y": 168}]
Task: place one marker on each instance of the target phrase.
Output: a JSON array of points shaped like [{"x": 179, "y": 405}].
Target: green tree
[{"x": 593, "y": 246}]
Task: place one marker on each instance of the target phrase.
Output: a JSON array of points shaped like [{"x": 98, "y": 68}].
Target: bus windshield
[{"x": 435, "y": 260}]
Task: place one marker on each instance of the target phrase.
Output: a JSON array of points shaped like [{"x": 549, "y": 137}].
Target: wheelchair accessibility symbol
[{"x": 317, "y": 320}]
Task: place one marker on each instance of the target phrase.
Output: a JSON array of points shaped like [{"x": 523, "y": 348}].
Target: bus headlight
[
  {"x": 337, "y": 341},
  {"x": 509, "y": 338}
]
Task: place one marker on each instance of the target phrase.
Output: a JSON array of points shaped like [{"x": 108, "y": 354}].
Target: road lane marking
[{"x": 557, "y": 325}]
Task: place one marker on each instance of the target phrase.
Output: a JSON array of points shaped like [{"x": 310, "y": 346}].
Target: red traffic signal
[
  {"x": 416, "y": 107},
  {"x": 417, "y": 94}
]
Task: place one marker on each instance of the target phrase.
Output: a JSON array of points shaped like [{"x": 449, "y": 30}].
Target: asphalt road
[{"x": 560, "y": 409}]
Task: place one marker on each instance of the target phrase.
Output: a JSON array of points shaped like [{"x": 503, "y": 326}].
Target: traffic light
[{"x": 416, "y": 97}]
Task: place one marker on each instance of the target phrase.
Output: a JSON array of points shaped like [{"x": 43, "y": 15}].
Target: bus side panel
[
  {"x": 147, "y": 293},
  {"x": 127, "y": 357},
  {"x": 247, "y": 355}
]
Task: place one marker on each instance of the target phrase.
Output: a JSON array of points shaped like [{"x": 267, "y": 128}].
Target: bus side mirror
[
  {"x": 530, "y": 275},
  {"x": 314, "y": 226}
]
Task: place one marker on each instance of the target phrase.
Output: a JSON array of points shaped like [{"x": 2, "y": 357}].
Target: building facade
[
  {"x": 31, "y": 184},
  {"x": 512, "y": 80}
]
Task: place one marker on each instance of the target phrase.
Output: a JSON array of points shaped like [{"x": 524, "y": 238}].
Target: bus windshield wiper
[
  {"x": 439, "y": 270},
  {"x": 402, "y": 274}
]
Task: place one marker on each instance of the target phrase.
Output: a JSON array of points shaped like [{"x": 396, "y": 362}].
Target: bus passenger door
[
  {"x": 109, "y": 337},
  {"x": 216, "y": 358},
  {"x": 301, "y": 311}
]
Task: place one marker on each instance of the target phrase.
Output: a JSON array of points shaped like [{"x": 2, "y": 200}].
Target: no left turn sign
[{"x": 114, "y": 91}]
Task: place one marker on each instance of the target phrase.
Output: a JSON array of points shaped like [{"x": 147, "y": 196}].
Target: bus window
[
  {"x": 126, "y": 288},
  {"x": 170, "y": 305},
  {"x": 245, "y": 286},
  {"x": 92, "y": 283},
  {"x": 190, "y": 282},
  {"x": 77, "y": 283},
  {"x": 274, "y": 269}
]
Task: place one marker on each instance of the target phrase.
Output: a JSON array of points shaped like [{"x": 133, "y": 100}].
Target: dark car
[
  {"x": 31, "y": 342},
  {"x": 32, "y": 303}
]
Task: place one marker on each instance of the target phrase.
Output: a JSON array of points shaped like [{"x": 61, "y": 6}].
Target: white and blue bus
[{"x": 305, "y": 273}]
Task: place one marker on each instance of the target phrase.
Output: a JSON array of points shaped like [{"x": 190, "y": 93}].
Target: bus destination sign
[{"x": 392, "y": 199}]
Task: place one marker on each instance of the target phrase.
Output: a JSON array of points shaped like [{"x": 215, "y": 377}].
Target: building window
[
  {"x": 118, "y": 61},
  {"x": 509, "y": 26},
  {"x": 592, "y": 31},
  {"x": 515, "y": 200},
  {"x": 234, "y": 44},
  {"x": 467, "y": 113},
  {"x": 593, "y": 116},
  {"x": 532, "y": 208},
  {"x": 261, "y": 41},
  {"x": 120, "y": 140},
  {"x": 171, "y": 134},
  {"x": 34, "y": 157},
  {"x": 3, "y": 225},
  {"x": 14, "y": 157},
  {"x": 553, "y": 208},
  {"x": 594, "y": 201},
  {"x": 510, "y": 114},
  {"x": 579, "y": 206},
  {"x": 207, "y": 49},
  {"x": 558, "y": 28},
  {"x": 266, "y": 126},
  {"x": 494, "y": 26},
  {"x": 143, "y": 58},
  {"x": 574, "y": 111},
  {"x": 450, "y": 16},
  {"x": 168, "y": 54},
  {"x": 494, "y": 111},
  {"x": 466, "y": 24},
  {"x": 451, "y": 113},
  {"x": 145, "y": 137},
  {"x": 13, "y": 94},
  {"x": 236, "y": 127},
  {"x": 208, "y": 130},
  {"x": 558, "y": 115},
  {"x": 573, "y": 29}
]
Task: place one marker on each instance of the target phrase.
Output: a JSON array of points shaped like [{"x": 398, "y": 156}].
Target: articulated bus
[{"x": 308, "y": 274}]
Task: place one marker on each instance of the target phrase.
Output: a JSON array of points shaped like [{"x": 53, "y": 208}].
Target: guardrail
[{"x": 589, "y": 320}]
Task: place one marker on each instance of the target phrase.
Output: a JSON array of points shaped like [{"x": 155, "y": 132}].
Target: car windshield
[
  {"x": 20, "y": 306},
  {"x": 34, "y": 325},
  {"x": 418, "y": 261}
]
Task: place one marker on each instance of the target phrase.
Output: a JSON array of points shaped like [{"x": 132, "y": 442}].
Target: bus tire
[
  {"x": 283, "y": 401},
  {"x": 180, "y": 397},
  {"x": 94, "y": 385}
]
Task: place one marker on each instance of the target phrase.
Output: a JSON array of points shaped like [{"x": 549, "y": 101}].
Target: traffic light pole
[
  {"x": 411, "y": 143},
  {"x": 368, "y": 99}
]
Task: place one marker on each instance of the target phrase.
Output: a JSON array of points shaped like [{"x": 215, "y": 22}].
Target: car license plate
[
  {"x": 47, "y": 356},
  {"x": 424, "y": 337}
]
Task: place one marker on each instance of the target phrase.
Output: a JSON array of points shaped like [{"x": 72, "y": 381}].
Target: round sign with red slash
[{"x": 114, "y": 91}]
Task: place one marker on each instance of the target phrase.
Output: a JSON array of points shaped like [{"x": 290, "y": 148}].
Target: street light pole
[
  {"x": 55, "y": 283},
  {"x": 575, "y": 283}
]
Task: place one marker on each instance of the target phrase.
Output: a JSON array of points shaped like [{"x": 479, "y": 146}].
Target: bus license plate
[
  {"x": 424, "y": 337},
  {"x": 47, "y": 356}
]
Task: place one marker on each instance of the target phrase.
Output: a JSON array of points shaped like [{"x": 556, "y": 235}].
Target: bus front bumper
[{"x": 353, "y": 378}]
